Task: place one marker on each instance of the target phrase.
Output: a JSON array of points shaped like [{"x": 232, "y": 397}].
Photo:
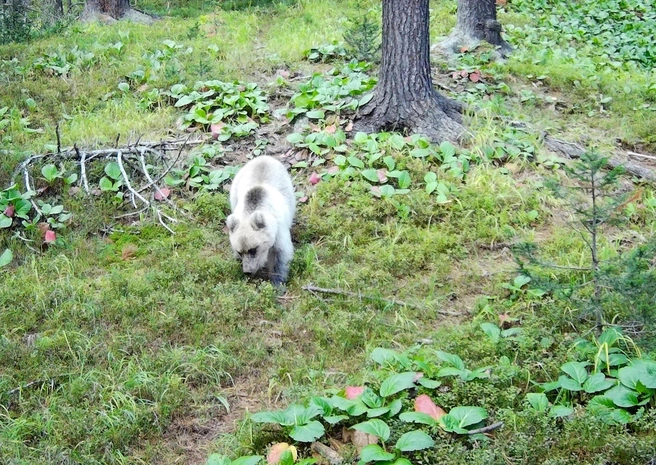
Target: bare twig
[
  {"x": 58, "y": 138},
  {"x": 641, "y": 155},
  {"x": 312, "y": 288},
  {"x": 83, "y": 168},
  {"x": 328, "y": 453},
  {"x": 486, "y": 429},
  {"x": 119, "y": 160}
]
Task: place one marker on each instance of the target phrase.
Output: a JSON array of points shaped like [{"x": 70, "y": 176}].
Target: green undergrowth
[{"x": 122, "y": 343}]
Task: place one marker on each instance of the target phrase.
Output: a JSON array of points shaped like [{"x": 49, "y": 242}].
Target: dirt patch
[{"x": 191, "y": 437}]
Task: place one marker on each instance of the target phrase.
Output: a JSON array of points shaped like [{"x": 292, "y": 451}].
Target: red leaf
[
  {"x": 349, "y": 127},
  {"x": 303, "y": 199},
  {"x": 425, "y": 404},
  {"x": 314, "y": 178},
  {"x": 375, "y": 190},
  {"x": 216, "y": 129},
  {"x": 464, "y": 49},
  {"x": 162, "y": 193},
  {"x": 353, "y": 392},
  {"x": 274, "y": 455},
  {"x": 9, "y": 211},
  {"x": 50, "y": 236},
  {"x": 330, "y": 129},
  {"x": 464, "y": 73},
  {"x": 333, "y": 169},
  {"x": 382, "y": 176},
  {"x": 455, "y": 75},
  {"x": 475, "y": 76}
]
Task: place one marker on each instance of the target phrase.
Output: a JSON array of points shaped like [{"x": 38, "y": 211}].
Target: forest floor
[{"x": 129, "y": 335}]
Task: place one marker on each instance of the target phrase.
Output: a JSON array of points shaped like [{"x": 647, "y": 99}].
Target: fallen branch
[
  {"x": 312, "y": 288},
  {"x": 486, "y": 429},
  {"x": 574, "y": 151},
  {"x": 326, "y": 452}
]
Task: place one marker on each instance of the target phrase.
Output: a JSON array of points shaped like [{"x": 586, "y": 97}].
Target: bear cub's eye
[{"x": 252, "y": 251}]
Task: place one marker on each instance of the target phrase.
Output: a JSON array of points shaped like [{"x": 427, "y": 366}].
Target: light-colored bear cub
[{"x": 263, "y": 206}]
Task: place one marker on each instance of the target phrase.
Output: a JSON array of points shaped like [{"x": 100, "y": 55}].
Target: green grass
[{"x": 124, "y": 344}]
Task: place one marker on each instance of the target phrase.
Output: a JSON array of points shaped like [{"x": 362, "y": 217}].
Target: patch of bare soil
[{"x": 191, "y": 437}]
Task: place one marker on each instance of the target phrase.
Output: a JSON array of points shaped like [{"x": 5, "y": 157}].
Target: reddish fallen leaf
[
  {"x": 464, "y": 49},
  {"x": 382, "y": 176},
  {"x": 216, "y": 129},
  {"x": 418, "y": 375},
  {"x": 301, "y": 200},
  {"x": 375, "y": 191},
  {"x": 314, "y": 178},
  {"x": 9, "y": 211},
  {"x": 273, "y": 457},
  {"x": 330, "y": 129},
  {"x": 353, "y": 392},
  {"x": 503, "y": 317},
  {"x": 425, "y": 404},
  {"x": 50, "y": 236},
  {"x": 162, "y": 193},
  {"x": 475, "y": 76},
  {"x": 349, "y": 127},
  {"x": 333, "y": 169},
  {"x": 455, "y": 75}
]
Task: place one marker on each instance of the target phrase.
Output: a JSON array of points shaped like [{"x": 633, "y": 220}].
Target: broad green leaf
[
  {"x": 6, "y": 258},
  {"x": 404, "y": 180},
  {"x": 395, "y": 407},
  {"x": 551, "y": 386},
  {"x": 316, "y": 114},
  {"x": 397, "y": 382},
  {"x": 447, "y": 149},
  {"x": 576, "y": 370},
  {"x": 568, "y": 383},
  {"x": 430, "y": 177},
  {"x": 361, "y": 138},
  {"x": 113, "y": 171},
  {"x": 376, "y": 427},
  {"x": 414, "y": 440},
  {"x": 449, "y": 423},
  {"x": 353, "y": 407},
  {"x": 631, "y": 375},
  {"x": 277, "y": 417},
  {"x": 558, "y": 411},
  {"x": 396, "y": 141},
  {"x": 538, "y": 401},
  {"x": 383, "y": 356},
  {"x": 429, "y": 383},
  {"x": 468, "y": 416},
  {"x": 374, "y": 453},
  {"x": 334, "y": 419},
  {"x": 602, "y": 407},
  {"x": 307, "y": 433},
  {"x": 370, "y": 174},
  {"x": 370, "y": 398},
  {"x": 596, "y": 383},
  {"x": 5, "y": 221},
  {"x": 295, "y": 138},
  {"x": 418, "y": 417},
  {"x": 123, "y": 86},
  {"x": 622, "y": 396},
  {"x": 49, "y": 172},
  {"x": 493, "y": 331},
  {"x": 451, "y": 359},
  {"x": 452, "y": 371},
  {"x": 249, "y": 460},
  {"x": 376, "y": 412},
  {"x": 355, "y": 161},
  {"x": 218, "y": 459}
]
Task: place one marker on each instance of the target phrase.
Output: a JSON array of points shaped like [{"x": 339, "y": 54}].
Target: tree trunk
[
  {"x": 476, "y": 21},
  {"x": 111, "y": 10},
  {"x": 404, "y": 99}
]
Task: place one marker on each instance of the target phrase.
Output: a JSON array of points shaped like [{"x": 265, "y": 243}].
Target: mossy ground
[{"x": 125, "y": 344}]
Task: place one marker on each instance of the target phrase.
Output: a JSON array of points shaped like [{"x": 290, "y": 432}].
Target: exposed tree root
[{"x": 434, "y": 116}]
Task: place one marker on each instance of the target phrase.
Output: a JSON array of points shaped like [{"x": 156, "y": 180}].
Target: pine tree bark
[
  {"x": 109, "y": 10},
  {"x": 476, "y": 21},
  {"x": 404, "y": 98}
]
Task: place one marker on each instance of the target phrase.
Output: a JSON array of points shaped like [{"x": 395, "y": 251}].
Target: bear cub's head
[{"x": 251, "y": 239}]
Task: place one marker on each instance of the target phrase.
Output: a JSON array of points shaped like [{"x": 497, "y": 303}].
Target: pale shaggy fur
[{"x": 263, "y": 207}]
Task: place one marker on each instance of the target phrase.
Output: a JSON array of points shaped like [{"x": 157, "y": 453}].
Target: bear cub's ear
[
  {"x": 231, "y": 222},
  {"x": 257, "y": 220}
]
